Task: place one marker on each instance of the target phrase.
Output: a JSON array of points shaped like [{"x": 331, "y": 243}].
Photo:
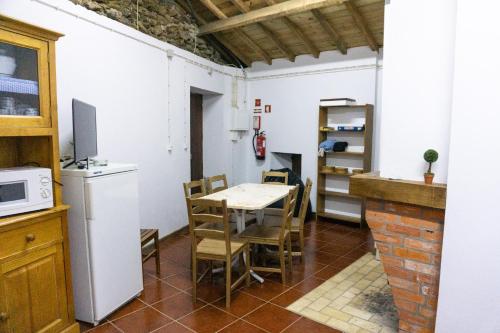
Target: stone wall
[{"x": 158, "y": 18}]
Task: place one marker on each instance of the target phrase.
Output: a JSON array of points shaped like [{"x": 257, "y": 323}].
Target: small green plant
[{"x": 430, "y": 156}]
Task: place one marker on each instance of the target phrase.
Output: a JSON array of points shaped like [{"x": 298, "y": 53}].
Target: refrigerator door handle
[{"x": 88, "y": 206}]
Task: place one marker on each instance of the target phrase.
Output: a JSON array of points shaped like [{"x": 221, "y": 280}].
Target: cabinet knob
[
  {"x": 3, "y": 316},
  {"x": 30, "y": 237}
]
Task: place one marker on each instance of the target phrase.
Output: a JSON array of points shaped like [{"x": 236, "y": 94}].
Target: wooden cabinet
[{"x": 35, "y": 273}]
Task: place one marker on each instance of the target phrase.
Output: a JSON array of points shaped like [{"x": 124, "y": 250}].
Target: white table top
[{"x": 251, "y": 196}]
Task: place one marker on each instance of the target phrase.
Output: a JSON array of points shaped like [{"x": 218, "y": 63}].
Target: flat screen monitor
[{"x": 84, "y": 130}]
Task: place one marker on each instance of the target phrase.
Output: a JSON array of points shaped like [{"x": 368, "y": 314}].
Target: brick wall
[{"x": 409, "y": 240}]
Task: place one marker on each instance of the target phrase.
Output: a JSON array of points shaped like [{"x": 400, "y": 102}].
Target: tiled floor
[
  {"x": 357, "y": 299},
  {"x": 166, "y": 306}
]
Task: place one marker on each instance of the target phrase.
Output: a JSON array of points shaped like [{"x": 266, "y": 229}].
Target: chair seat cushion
[
  {"x": 275, "y": 221},
  {"x": 217, "y": 247},
  {"x": 261, "y": 232}
]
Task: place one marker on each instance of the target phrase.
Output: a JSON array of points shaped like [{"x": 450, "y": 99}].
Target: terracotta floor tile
[
  {"x": 242, "y": 327},
  {"x": 132, "y": 306},
  {"x": 287, "y": 297},
  {"x": 181, "y": 281},
  {"x": 337, "y": 249},
  {"x": 181, "y": 255},
  {"x": 104, "y": 328},
  {"x": 157, "y": 291},
  {"x": 208, "y": 319},
  {"x": 210, "y": 291},
  {"x": 167, "y": 268},
  {"x": 148, "y": 278},
  {"x": 178, "y": 240},
  {"x": 304, "y": 325},
  {"x": 84, "y": 327},
  {"x": 178, "y": 306},
  {"x": 266, "y": 290},
  {"x": 271, "y": 318},
  {"x": 343, "y": 262},
  {"x": 321, "y": 257},
  {"x": 145, "y": 320},
  {"x": 173, "y": 328},
  {"x": 308, "y": 284},
  {"x": 328, "y": 272},
  {"x": 241, "y": 304}
]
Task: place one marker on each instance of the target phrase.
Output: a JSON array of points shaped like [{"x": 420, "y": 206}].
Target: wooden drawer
[{"x": 30, "y": 236}]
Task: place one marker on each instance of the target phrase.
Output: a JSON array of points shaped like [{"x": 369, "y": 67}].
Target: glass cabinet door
[{"x": 24, "y": 81}]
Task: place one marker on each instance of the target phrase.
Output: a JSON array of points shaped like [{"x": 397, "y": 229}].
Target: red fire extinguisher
[{"x": 259, "y": 145}]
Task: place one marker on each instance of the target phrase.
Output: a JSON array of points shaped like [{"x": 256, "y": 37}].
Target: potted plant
[{"x": 430, "y": 156}]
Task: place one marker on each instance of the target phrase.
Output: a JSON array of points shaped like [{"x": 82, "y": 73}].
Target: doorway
[{"x": 196, "y": 125}]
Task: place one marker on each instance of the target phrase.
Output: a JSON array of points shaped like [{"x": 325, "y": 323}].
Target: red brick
[
  {"x": 403, "y": 284},
  {"x": 411, "y": 254},
  {"x": 401, "y": 229},
  {"x": 432, "y": 302},
  {"x": 391, "y": 261},
  {"x": 430, "y": 290},
  {"x": 420, "y": 223},
  {"x": 421, "y": 267},
  {"x": 432, "y": 235},
  {"x": 402, "y": 209},
  {"x": 423, "y": 245},
  {"x": 384, "y": 248},
  {"x": 405, "y": 305},
  {"x": 425, "y": 278},
  {"x": 407, "y": 295},
  {"x": 415, "y": 319},
  {"x": 374, "y": 204},
  {"x": 400, "y": 273},
  {"x": 433, "y": 214},
  {"x": 427, "y": 312},
  {"x": 410, "y": 328},
  {"x": 380, "y": 216},
  {"x": 386, "y": 238},
  {"x": 376, "y": 225}
]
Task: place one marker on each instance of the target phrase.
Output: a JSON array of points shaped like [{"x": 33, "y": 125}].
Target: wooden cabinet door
[
  {"x": 33, "y": 292},
  {"x": 25, "y": 85}
]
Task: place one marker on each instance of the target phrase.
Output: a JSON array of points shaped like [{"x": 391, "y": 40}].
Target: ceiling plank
[
  {"x": 246, "y": 39},
  {"x": 339, "y": 42},
  {"x": 302, "y": 36},
  {"x": 298, "y": 32},
  {"x": 241, "y": 56},
  {"x": 269, "y": 34},
  {"x": 361, "y": 24},
  {"x": 277, "y": 10}
]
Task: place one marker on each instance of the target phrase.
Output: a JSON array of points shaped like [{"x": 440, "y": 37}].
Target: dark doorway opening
[{"x": 196, "y": 125}]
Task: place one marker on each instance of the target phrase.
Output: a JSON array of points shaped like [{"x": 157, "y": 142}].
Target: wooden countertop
[
  {"x": 371, "y": 185},
  {"x": 14, "y": 219}
]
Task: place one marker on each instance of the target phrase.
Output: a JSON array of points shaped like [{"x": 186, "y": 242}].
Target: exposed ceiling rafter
[
  {"x": 362, "y": 26},
  {"x": 339, "y": 42}
]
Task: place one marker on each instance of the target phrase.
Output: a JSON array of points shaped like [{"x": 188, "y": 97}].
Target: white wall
[
  {"x": 127, "y": 76},
  {"x": 294, "y": 91},
  {"x": 417, "y": 86},
  {"x": 469, "y": 296}
]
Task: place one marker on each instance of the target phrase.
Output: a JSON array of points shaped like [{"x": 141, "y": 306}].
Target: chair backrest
[
  {"x": 305, "y": 202},
  {"x": 267, "y": 174},
  {"x": 208, "y": 216},
  {"x": 195, "y": 189},
  {"x": 288, "y": 209},
  {"x": 212, "y": 187}
]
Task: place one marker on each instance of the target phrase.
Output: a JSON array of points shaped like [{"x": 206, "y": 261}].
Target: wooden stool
[{"x": 146, "y": 236}]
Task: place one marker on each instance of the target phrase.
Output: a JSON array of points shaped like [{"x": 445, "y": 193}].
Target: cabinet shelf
[
  {"x": 333, "y": 193},
  {"x": 345, "y": 153}
]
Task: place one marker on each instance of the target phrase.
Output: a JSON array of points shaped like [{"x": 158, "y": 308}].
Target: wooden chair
[
  {"x": 211, "y": 188},
  {"x": 146, "y": 236},
  {"x": 264, "y": 235},
  {"x": 215, "y": 244},
  {"x": 266, "y": 174},
  {"x": 297, "y": 226}
]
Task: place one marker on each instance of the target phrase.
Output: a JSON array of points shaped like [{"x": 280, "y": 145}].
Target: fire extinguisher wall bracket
[{"x": 259, "y": 145}]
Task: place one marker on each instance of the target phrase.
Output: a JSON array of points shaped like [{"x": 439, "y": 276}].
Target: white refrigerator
[{"x": 104, "y": 237}]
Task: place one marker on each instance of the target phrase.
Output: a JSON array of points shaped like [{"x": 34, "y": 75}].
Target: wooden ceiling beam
[
  {"x": 240, "y": 55},
  {"x": 281, "y": 9},
  {"x": 339, "y": 42},
  {"x": 246, "y": 39},
  {"x": 361, "y": 24},
  {"x": 298, "y": 32},
  {"x": 302, "y": 36}
]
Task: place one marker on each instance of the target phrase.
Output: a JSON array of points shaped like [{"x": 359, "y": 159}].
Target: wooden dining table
[{"x": 250, "y": 197}]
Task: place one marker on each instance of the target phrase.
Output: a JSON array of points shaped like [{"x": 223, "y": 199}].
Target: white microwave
[{"x": 25, "y": 189}]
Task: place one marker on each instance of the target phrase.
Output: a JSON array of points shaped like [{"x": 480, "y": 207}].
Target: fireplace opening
[{"x": 292, "y": 161}]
